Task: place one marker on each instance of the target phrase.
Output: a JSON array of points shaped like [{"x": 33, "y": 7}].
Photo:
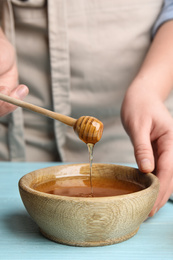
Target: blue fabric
[{"x": 165, "y": 15}]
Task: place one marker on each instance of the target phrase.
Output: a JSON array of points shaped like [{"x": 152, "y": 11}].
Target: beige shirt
[{"x": 77, "y": 57}]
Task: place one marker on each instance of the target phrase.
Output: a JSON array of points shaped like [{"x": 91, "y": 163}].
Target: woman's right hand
[{"x": 9, "y": 76}]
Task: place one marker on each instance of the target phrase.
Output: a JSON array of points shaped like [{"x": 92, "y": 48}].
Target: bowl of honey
[{"x": 73, "y": 207}]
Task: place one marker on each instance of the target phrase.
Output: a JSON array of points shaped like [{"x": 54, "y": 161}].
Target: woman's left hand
[{"x": 150, "y": 128}]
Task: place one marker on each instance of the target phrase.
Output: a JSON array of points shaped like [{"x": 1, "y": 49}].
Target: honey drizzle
[{"x": 90, "y": 150}]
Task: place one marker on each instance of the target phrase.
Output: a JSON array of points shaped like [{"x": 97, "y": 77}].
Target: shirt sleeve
[{"x": 165, "y": 15}]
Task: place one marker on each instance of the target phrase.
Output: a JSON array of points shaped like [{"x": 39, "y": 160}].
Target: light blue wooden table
[{"x": 20, "y": 237}]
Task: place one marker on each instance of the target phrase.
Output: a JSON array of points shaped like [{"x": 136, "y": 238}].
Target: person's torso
[{"x": 78, "y": 58}]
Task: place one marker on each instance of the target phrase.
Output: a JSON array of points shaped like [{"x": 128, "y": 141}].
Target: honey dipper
[{"x": 89, "y": 129}]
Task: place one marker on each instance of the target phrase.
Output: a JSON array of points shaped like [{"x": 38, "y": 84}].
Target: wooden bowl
[{"x": 86, "y": 221}]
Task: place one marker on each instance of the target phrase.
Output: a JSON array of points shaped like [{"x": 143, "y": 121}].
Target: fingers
[
  {"x": 164, "y": 168},
  {"x": 19, "y": 92},
  {"x": 164, "y": 171},
  {"x": 144, "y": 155},
  {"x": 140, "y": 137},
  {"x": 164, "y": 165}
]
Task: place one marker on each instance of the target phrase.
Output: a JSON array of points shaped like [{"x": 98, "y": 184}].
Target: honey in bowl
[
  {"x": 87, "y": 185},
  {"x": 79, "y": 186}
]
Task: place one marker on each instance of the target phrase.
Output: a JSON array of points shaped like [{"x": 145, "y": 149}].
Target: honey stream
[{"x": 90, "y": 150}]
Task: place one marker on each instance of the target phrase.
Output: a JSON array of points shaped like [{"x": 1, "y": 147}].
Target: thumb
[
  {"x": 143, "y": 152},
  {"x": 20, "y": 92}
]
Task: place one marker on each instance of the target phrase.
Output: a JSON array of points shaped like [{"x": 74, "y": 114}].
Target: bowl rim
[{"x": 22, "y": 185}]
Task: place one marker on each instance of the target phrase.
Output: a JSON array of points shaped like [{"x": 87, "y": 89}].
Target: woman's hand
[
  {"x": 150, "y": 128},
  {"x": 145, "y": 117},
  {"x": 9, "y": 76}
]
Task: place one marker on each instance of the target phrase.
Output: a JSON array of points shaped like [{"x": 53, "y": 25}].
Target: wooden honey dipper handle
[
  {"x": 89, "y": 129},
  {"x": 62, "y": 118}
]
